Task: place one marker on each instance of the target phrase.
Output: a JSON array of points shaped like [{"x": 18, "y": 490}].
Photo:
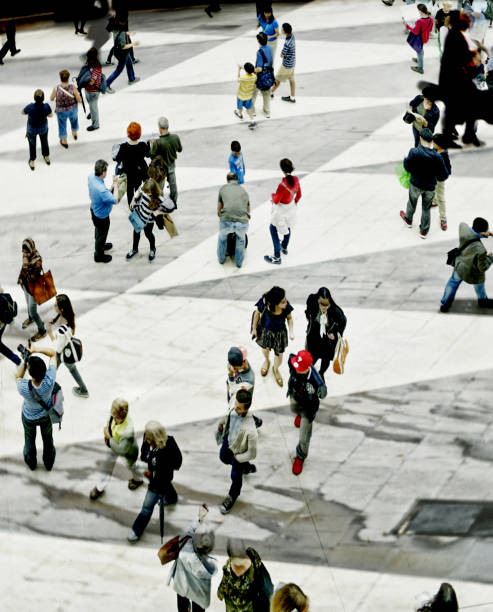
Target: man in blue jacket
[
  {"x": 305, "y": 389},
  {"x": 426, "y": 167}
]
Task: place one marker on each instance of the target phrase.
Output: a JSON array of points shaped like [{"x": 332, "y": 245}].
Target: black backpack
[{"x": 8, "y": 308}]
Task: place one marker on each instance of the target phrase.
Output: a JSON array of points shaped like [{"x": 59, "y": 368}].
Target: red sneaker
[
  {"x": 297, "y": 466},
  {"x": 297, "y": 421}
]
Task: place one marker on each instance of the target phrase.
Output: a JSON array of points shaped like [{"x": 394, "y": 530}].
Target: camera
[{"x": 24, "y": 353}]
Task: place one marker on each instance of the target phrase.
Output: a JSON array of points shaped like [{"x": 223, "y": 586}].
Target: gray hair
[
  {"x": 203, "y": 541},
  {"x": 236, "y": 548},
  {"x": 163, "y": 123},
  {"x": 100, "y": 167},
  {"x": 156, "y": 432}
]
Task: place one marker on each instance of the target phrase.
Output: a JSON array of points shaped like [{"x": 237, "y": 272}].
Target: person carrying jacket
[
  {"x": 163, "y": 457},
  {"x": 238, "y": 438},
  {"x": 305, "y": 390},
  {"x": 426, "y": 167},
  {"x": 470, "y": 264}
]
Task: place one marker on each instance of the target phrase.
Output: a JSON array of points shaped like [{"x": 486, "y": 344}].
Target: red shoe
[
  {"x": 403, "y": 217},
  {"x": 297, "y": 421},
  {"x": 297, "y": 466}
]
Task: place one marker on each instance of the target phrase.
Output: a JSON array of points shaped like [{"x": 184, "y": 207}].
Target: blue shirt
[
  {"x": 31, "y": 408},
  {"x": 269, "y": 29},
  {"x": 268, "y": 56},
  {"x": 237, "y": 165},
  {"x": 289, "y": 52},
  {"x": 37, "y": 114},
  {"x": 102, "y": 199}
]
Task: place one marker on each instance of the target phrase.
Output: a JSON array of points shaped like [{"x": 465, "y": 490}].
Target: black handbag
[
  {"x": 456, "y": 251},
  {"x": 72, "y": 351}
]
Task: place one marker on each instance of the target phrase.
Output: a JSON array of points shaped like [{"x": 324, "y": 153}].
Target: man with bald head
[{"x": 167, "y": 146}]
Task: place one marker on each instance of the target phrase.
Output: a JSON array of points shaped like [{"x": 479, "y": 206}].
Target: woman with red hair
[{"x": 131, "y": 159}]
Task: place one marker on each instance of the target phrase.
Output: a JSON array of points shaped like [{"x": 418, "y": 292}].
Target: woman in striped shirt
[{"x": 148, "y": 202}]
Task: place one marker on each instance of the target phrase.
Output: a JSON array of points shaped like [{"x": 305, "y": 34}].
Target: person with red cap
[{"x": 305, "y": 390}]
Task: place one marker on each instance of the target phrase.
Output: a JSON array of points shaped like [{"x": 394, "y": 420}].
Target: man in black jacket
[
  {"x": 305, "y": 389},
  {"x": 426, "y": 167}
]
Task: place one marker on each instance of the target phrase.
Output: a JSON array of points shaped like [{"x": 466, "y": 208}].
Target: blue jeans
[
  {"x": 125, "y": 61},
  {"x": 49, "y": 452},
  {"x": 72, "y": 116},
  {"x": 231, "y": 227},
  {"x": 150, "y": 500},
  {"x": 32, "y": 311},
  {"x": 453, "y": 284},
  {"x": 276, "y": 242},
  {"x": 420, "y": 55},
  {"x": 237, "y": 469},
  {"x": 92, "y": 101},
  {"x": 4, "y": 350}
]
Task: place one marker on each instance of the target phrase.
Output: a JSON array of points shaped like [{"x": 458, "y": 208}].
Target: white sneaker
[
  {"x": 238, "y": 114},
  {"x": 133, "y": 537}
]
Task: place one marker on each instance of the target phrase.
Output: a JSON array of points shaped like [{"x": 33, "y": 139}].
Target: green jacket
[{"x": 473, "y": 262}]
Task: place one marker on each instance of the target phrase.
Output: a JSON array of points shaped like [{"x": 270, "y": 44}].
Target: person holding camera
[
  {"x": 426, "y": 113},
  {"x": 34, "y": 415}
]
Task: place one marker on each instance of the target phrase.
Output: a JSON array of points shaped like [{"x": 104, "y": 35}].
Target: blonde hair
[
  {"x": 157, "y": 433},
  {"x": 119, "y": 407},
  {"x": 288, "y": 598}
]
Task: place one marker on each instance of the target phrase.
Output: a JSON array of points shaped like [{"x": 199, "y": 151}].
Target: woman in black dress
[
  {"x": 325, "y": 321},
  {"x": 131, "y": 157}
]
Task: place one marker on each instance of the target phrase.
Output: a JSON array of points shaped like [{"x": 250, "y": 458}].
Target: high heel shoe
[{"x": 64, "y": 145}]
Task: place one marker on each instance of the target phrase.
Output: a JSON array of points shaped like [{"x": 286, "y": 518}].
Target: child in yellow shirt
[{"x": 246, "y": 87}]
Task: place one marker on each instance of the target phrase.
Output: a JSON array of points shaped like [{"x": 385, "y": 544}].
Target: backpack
[
  {"x": 265, "y": 79},
  {"x": 8, "y": 308},
  {"x": 83, "y": 77},
  {"x": 72, "y": 351},
  {"x": 55, "y": 406}
]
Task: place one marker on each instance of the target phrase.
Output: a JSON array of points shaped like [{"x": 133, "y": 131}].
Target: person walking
[
  {"x": 246, "y": 87},
  {"x": 264, "y": 69},
  {"x": 131, "y": 159},
  {"x": 163, "y": 457},
  {"x": 269, "y": 26},
  {"x": 419, "y": 35},
  {"x": 426, "y": 167},
  {"x": 425, "y": 111},
  {"x": 305, "y": 390},
  {"x": 122, "y": 48},
  {"x": 272, "y": 311},
  {"x": 31, "y": 270},
  {"x": 9, "y": 44},
  {"x": 37, "y": 125},
  {"x": 65, "y": 318},
  {"x": 102, "y": 201},
  {"x": 167, "y": 146},
  {"x": 34, "y": 415},
  {"x": 95, "y": 86},
  {"x": 240, "y": 376},
  {"x": 246, "y": 585},
  {"x": 212, "y": 7},
  {"x": 326, "y": 322},
  {"x": 470, "y": 264},
  {"x": 233, "y": 210},
  {"x": 120, "y": 440},
  {"x": 286, "y": 71},
  {"x": 283, "y": 212},
  {"x": 193, "y": 568},
  {"x": 66, "y": 98},
  {"x": 289, "y": 598},
  {"x": 440, "y": 146},
  {"x": 7, "y": 314},
  {"x": 238, "y": 437}
]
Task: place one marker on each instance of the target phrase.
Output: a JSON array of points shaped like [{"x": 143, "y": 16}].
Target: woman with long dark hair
[
  {"x": 325, "y": 322},
  {"x": 269, "y": 328},
  {"x": 65, "y": 318},
  {"x": 283, "y": 213},
  {"x": 445, "y": 600},
  {"x": 37, "y": 125}
]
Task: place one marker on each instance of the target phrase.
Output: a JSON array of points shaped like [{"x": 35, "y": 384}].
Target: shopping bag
[
  {"x": 403, "y": 175},
  {"x": 342, "y": 349},
  {"x": 42, "y": 288}
]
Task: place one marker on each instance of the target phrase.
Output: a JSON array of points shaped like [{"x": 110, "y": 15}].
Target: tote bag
[{"x": 42, "y": 288}]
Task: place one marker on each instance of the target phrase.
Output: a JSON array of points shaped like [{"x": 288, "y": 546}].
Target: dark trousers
[
  {"x": 45, "y": 149},
  {"x": 4, "y": 350},
  {"x": 184, "y": 605},
  {"x": 49, "y": 451},
  {"x": 10, "y": 44},
  {"x": 149, "y": 235},
  {"x": 150, "y": 500},
  {"x": 101, "y": 229},
  {"x": 237, "y": 469},
  {"x": 322, "y": 349},
  {"x": 276, "y": 242}
]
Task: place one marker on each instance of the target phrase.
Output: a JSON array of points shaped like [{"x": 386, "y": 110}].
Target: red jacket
[
  {"x": 285, "y": 193},
  {"x": 422, "y": 27}
]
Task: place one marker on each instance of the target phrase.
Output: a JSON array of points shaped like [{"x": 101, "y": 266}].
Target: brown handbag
[
  {"x": 42, "y": 288},
  {"x": 169, "y": 225},
  {"x": 170, "y": 550}
]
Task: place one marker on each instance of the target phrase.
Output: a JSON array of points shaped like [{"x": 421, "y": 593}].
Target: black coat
[
  {"x": 162, "y": 462},
  {"x": 336, "y": 324}
]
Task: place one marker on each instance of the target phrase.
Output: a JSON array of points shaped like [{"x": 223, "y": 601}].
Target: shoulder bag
[
  {"x": 340, "y": 354},
  {"x": 72, "y": 351},
  {"x": 170, "y": 550},
  {"x": 455, "y": 252},
  {"x": 55, "y": 407},
  {"x": 42, "y": 288}
]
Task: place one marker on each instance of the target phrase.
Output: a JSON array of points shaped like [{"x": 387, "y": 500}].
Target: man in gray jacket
[
  {"x": 470, "y": 264},
  {"x": 233, "y": 210},
  {"x": 238, "y": 437}
]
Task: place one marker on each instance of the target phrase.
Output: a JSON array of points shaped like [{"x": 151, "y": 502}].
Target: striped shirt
[
  {"x": 31, "y": 408},
  {"x": 289, "y": 52},
  {"x": 96, "y": 72},
  {"x": 146, "y": 213},
  {"x": 246, "y": 86}
]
